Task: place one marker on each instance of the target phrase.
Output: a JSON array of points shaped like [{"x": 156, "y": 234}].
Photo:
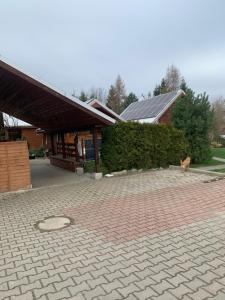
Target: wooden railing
[{"x": 69, "y": 151}]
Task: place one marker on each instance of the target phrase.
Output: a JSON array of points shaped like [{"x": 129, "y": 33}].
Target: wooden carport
[{"x": 36, "y": 103}]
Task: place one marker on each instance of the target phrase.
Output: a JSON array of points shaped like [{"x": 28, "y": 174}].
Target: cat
[{"x": 185, "y": 164}]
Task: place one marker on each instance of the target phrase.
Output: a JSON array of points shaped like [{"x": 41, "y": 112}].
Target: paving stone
[
  {"x": 180, "y": 291},
  {"x": 76, "y": 289},
  {"x": 94, "y": 293},
  {"x": 200, "y": 295},
  {"x": 208, "y": 277},
  {"x": 115, "y": 285},
  {"x": 128, "y": 290},
  {"x": 161, "y": 287},
  {"x": 166, "y": 296},
  {"x": 219, "y": 296},
  {"x": 26, "y": 296},
  {"x": 114, "y": 295},
  {"x": 195, "y": 284},
  {"x": 214, "y": 288},
  {"x": 63, "y": 294},
  {"x": 146, "y": 293},
  {"x": 177, "y": 280}
]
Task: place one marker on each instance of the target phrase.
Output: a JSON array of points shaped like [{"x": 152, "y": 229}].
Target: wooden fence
[{"x": 14, "y": 166}]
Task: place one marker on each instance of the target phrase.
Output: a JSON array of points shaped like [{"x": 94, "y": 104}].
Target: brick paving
[{"x": 155, "y": 235}]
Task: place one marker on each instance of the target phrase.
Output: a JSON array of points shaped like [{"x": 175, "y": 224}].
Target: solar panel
[{"x": 148, "y": 108}]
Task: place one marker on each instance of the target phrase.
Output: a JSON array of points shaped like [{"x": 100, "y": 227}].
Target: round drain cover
[{"x": 54, "y": 223}]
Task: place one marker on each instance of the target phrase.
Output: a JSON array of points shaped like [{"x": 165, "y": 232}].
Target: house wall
[
  {"x": 14, "y": 166},
  {"x": 34, "y": 139},
  {"x": 83, "y": 135},
  {"x": 147, "y": 120},
  {"x": 166, "y": 117}
]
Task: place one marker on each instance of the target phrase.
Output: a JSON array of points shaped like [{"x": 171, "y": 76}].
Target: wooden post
[
  {"x": 63, "y": 145},
  {"x": 76, "y": 147},
  {"x": 52, "y": 143},
  {"x": 96, "y": 154}
]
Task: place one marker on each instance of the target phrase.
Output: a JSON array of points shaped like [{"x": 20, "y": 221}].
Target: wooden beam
[
  {"x": 52, "y": 143},
  {"x": 96, "y": 154},
  {"x": 63, "y": 145}
]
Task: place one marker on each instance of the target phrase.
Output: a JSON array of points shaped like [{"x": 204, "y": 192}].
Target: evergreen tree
[
  {"x": 149, "y": 95},
  {"x": 129, "y": 99},
  {"x": 183, "y": 85},
  {"x": 157, "y": 90},
  {"x": 74, "y": 93},
  {"x": 163, "y": 87},
  {"x": 83, "y": 97},
  {"x": 116, "y": 96},
  {"x": 193, "y": 115}
]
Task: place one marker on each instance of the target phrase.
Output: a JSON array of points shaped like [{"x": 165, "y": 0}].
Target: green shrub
[
  {"x": 89, "y": 167},
  {"x": 128, "y": 145},
  {"x": 38, "y": 152}
]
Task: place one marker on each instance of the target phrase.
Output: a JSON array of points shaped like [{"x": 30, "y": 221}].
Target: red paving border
[{"x": 130, "y": 217}]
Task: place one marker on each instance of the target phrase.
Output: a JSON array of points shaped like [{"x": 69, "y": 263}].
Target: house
[
  {"x": 86, "y": 146},
  {"x": 56, "y": 114},
  {"x": 157, "y": 109},
  {"x": 104, "y": 109},
  {"x": 34, "y": 137}
]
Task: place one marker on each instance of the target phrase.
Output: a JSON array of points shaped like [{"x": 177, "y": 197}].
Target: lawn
[
  {"x": 218, "y": 152},
  {"x": 219, "y": 170},
  {"x": 211, "y": 162}
]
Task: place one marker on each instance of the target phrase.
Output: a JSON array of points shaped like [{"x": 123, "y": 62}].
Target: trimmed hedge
[{"x": 128, "y": 145}]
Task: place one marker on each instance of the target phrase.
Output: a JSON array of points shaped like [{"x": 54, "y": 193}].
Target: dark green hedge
[{"x": 127, "y": 145}]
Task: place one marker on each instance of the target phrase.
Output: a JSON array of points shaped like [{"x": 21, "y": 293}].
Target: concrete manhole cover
[{"x": 53, "y": 223}]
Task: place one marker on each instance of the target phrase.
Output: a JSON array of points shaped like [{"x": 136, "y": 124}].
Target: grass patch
[
  {"x": 211, "y": 162},
  {"x": 219, "y": 170},
  {"x": 218, "y": 152}
]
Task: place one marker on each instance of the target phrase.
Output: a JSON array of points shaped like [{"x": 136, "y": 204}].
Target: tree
[
  {"x": 183, "y": 85},
  {"x": 163, "y": 87},
  {"x": 116, "y": 96},
  {"x": 97, "y": 93},
  {"x": 218, "y": 109},
  {"x": 74, "y": 93},
  {"x": 129, "y": 99},
  {"x": 172, "y": 79},
  {"x": 83, "y": 97},
  {"x": 193, "y": 115},
  {"x": 170, "y": 82},
  {"x": 157, "y": 90},
  {"x": 112, "y": 100}
]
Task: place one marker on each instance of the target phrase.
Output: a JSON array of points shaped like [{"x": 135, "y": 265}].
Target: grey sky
[{"x": 77, "y": 44}]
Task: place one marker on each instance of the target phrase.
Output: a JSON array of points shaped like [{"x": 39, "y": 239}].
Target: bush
[
  {"x": 38, "y": 152},
  {"x": 89, "y": 167},
  {"x": 128, "y": 145}
]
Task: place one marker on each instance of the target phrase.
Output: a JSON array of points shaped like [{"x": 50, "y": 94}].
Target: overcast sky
[{"x": 78, "y": 44}]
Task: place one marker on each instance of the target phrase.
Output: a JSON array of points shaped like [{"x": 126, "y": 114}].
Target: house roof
[
  {"x": 20, "y": 127},
  {"x": 43, "y": 106},
  {"x": 151, "y": 108},
  {"x": 103, "y": 108}
]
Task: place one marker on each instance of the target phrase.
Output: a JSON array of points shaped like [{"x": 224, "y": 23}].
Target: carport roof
[{"x": 37, "y": 103}]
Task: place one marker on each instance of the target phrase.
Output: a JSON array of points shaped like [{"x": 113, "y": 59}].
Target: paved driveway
[
  {"x": 44, "y": 174},
  {"x": 156, "y": 235}
]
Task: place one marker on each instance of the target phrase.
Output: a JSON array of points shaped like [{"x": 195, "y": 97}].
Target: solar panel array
[{"x": 148, "y": 108}]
